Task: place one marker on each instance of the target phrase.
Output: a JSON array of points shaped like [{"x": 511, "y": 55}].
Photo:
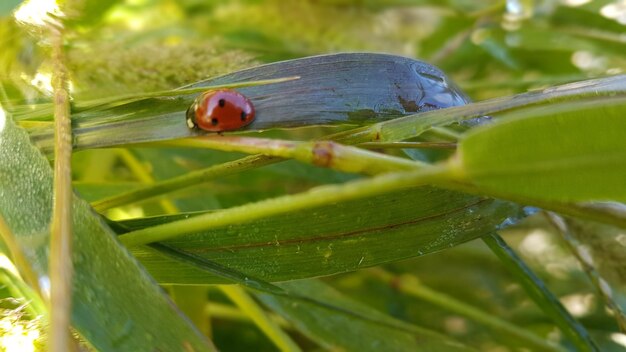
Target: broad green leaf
[
  {"x": 116, "y": 305},
  {"x": 568, "y": 152},
  {"x": 348, "y": 330},
  {"x": 332, "y": 239}
]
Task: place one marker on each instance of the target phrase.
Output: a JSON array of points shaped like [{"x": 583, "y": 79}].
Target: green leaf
[
  {"x": 567, "y": 152},
  {"x": 348, "y": 330},
  {"x": 115, "y": 304},
  {"x": 331, "y": 239}
]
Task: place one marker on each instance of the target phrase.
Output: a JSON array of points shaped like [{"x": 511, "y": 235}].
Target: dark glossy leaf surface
[{"x": 346, "y": 88}]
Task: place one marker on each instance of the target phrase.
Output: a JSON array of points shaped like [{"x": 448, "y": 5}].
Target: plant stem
[
  {"x": 60, "y": 261},
  {"x": 401, "y": 145},
  {"x": 260, "y": 318},
  {"x": 321, "y": 153},
  {"x": 539, "y": 293},
  {"x": 315, "y": 197},
  {"x": 223, "y": 311},
  {"x": 410, "y": 285},
  {"x": 190, "y": 179}
]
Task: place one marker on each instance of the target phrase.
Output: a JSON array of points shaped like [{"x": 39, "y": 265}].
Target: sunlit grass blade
[
  {"x": 591, "y": 243},
  {"x": 542, "y": 296},
  {"x": 190, "y": 179},
  {"x": 261, "y": 319}
]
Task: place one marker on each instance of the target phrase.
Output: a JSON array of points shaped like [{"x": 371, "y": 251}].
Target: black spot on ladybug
[
  {"x": 214, "y": 121},
  {"x": 222, "y": 102},
  {"x": 243, "y": 116}
]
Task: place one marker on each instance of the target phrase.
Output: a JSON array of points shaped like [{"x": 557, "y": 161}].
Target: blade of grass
[
  {"x": 236, "y": 294},
  {"x": 315, "y": 197},
  {"x": 16, "y": 287},
  {"x": 124, "y": 99},
  {"x": 19, "y": 260},
  {"x": 140, "y": 172},
  {"x": 60, "y": 261},
  {"x": 270, "y": 289},
  {"x": 581, "y": 252},
  {"x": 311, "y": 308},
  {"x": 402, "y": 145},
  {"x": 190, "y": 179},
  {"x": 411, "y": 286},
  {"x": 188, "y": 298},
  {"x": 260, "y": 318},
  {"x": 542, "y": 296},
  {"x": 228, "y": 312},
  {"x": 43, "y": 110}
]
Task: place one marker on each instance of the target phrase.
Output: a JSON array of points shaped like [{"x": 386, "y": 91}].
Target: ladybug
[{"x": 220, "y": 110}]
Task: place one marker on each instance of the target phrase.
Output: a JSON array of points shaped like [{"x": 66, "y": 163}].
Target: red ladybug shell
[{"x": 220, "y": 110}]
